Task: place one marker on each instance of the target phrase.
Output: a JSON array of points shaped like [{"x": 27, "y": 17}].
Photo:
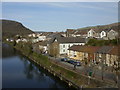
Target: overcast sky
[{"x": 59, "y": 16}]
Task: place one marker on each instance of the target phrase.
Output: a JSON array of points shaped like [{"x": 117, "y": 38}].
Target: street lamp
[{"x": 101, "y": 66}]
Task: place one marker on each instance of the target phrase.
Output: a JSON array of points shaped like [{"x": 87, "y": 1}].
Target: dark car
[
  {"x": 77, "y": 63},
  {"x": 71, "y": 61},
  {"x": 64, "y": 59}
]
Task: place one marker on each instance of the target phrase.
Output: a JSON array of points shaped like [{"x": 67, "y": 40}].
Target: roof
[
  {"x": 88, "y": 49},
  {"x": 54, "y": 35},
  {"x": 81, "y": 32},
  {"x": 114, "y": 51},
  {"x": 104, "y": 49},
  {"x": 76, "y": 47},
  {"x": 43, "y": 43},
  {"x": 68, "y": 40},
  {"x": 91, "y": 49},
  {"x": 70, "y": 31}
]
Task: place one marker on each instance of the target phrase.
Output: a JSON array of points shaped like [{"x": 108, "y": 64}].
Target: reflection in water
[
  {"x": 19, "y": 72},
  {"x": 7, "y": 51}
]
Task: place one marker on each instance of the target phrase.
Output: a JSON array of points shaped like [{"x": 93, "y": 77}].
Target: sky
[{"x": 59, "y": 16}]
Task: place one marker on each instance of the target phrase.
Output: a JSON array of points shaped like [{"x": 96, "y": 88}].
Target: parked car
[
  {"x": 71, "y": 61},
  {"x": 77, "y": 63},
  {"x": 64, "y": 59}
]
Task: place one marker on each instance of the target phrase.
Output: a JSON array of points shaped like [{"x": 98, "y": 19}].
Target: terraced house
[
  {"x": 83, "y": 53},
  {"x": 108, "y": 55}
]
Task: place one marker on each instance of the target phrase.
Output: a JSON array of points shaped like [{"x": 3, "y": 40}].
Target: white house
[
  {"x": 91, "y": 33},
  {"x": 22, "y": 40},
  {"x": 63, "y": 43},
  {"x": 32, "y": 35},
  {"x": 103, "y": 34}
]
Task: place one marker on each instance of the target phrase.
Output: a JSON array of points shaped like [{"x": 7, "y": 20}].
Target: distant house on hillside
[
  {"x": 112, "y": 34},
  {"x": 104, "y": 34},
  {"x": 59, "y": 45},
  {"x": 70, "y": 32},
  {"x": 80, "y": 33},
  {"x": 91, "y": 33}
]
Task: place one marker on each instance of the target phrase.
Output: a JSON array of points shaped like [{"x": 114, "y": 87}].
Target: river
[{"x": 19, "y": 72}]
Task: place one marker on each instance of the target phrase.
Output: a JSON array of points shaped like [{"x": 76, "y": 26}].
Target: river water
[{"x": 19, "y": 72}]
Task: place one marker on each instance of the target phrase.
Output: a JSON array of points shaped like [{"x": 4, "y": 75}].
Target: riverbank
[{"x": 66, "y": 74}]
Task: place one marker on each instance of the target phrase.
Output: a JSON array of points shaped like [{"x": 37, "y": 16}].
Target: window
[
  {"x": 63, "y": 46},
  {"x": 64, "y": 50},
  {"x": 102, "y": 33},
  {"x": 74, "y": 55},
  {"x": 113, "y": 33},
  {"x": 69, "y": 46}
]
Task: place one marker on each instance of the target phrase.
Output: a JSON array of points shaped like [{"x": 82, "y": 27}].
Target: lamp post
[
  {"x": 116, "y": 68},
  {"x": 101, "y": 67}
]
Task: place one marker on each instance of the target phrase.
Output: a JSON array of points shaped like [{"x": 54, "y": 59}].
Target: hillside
[
  {"x": 11, "y": 28},
  {"x": 114, "y": 26}
]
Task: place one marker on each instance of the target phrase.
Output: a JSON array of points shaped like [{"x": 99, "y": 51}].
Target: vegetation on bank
[
  {"x": 78, "y": 79},
  {"x": 95, "y": 42}
]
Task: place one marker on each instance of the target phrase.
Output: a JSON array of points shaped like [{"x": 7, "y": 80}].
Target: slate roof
[
  {"x": 91, "y": 49},
  {"x": 68, "y": 40},
  {"x": 104, "y": 49},
  {"x": 114, "y": 51},
  {"x": 87, "y": 49},
  {"x": 55, "y": 35},
  {"x": 76, "y": 48},
  {"x": 81, "y": 32},
  {"x": 70, "y": 31}
]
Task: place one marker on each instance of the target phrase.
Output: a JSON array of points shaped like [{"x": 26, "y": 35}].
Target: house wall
[
  {"x": 103, "y": 34},
  {"x": 111, "y": 60},
  {"x": 76, "y": 55},
  {"x": 53, "y": 49},
  {"x": 63, "y": 47},
  {"x": 112, "y": 34},
  {"x": 91, "y": 33}
]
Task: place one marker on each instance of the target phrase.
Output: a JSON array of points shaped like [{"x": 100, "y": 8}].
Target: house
[
  {"x": 74, "y": 52},
  {"x": 91, "y": 33},
  {"x": 43, "y": 47},
  {"x": 108, "y": 34},
  {"x": 101, "y": 54},
  {"x": 59, "y": 45},
  {"x": 80, "y": 33},
  {"x": 32, "y": 35},
  {"x": 112, "y": 57},
  {"x": 89, "y": 53},
  {"x": 112, "y": 34},
  {"x": 22, "y": 40},
  {"x": 103, "y": 34},
  {"x": 79, "y": 52},
  {"x": 10, "y": 39},
  {"x": 70, "y": 32}
]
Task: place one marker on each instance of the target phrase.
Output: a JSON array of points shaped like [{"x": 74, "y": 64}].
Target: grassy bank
[{"x": 70, "y": 76}]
